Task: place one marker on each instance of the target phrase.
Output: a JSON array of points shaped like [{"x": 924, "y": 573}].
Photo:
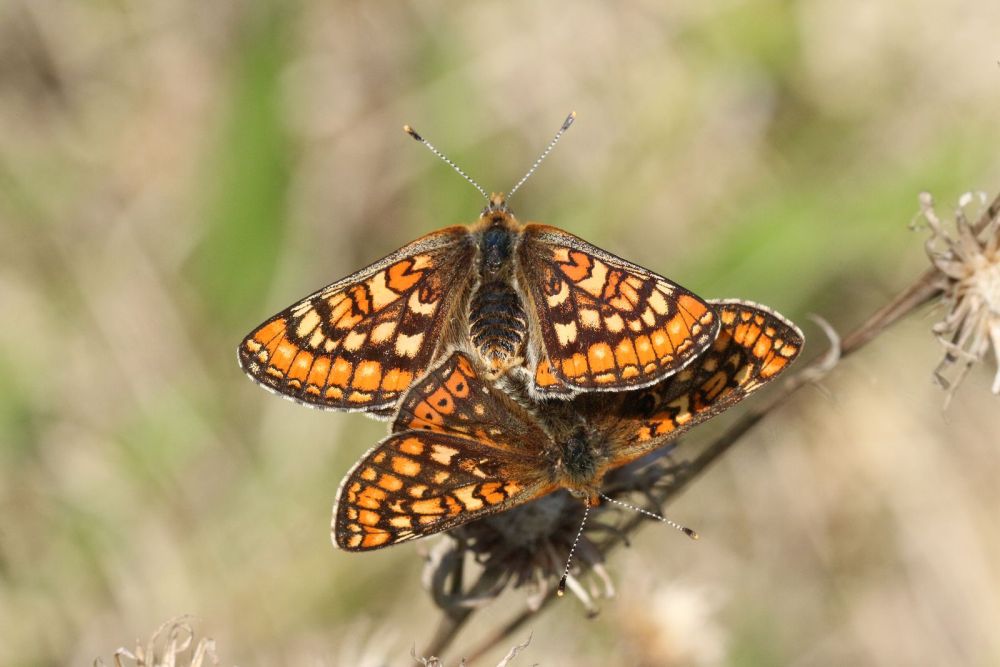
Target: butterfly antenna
[
  {"x": 569, "y": 559},
  {"x": 548, "y": 149},
  {"x": 673, "y": 524},
  {"x": 413, "y": 133}
]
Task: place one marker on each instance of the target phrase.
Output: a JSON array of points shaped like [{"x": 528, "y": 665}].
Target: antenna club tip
[
  {"x": 569, "y": 120},
  {"x": 690, "y": 533},
  {"x": 413, "y": 133},
  {"x": 561, "y": 590}
]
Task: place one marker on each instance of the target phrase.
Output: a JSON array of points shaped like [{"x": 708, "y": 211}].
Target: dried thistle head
[
  {"x": 172, "y": 645},
  {"x": 969, "y": 261},
  {"x": 529, "y": 545}
]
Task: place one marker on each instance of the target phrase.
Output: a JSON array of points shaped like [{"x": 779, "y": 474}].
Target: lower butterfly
[{"x": 461, "y": 449}]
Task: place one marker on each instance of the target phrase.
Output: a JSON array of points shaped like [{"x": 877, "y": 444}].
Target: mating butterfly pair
[{"x": 433, "y": 327}]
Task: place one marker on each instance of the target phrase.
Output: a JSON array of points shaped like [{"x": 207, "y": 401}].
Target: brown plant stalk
[{"x": 929, "y": 286}]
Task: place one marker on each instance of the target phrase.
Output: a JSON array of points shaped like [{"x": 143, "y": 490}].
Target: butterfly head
[{"x": 497, "y": 208}]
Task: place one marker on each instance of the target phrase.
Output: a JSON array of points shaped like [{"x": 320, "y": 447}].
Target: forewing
[
  {"x": 418, "y": 483},
  {"x": 606, "y": 324},
  {"x": 360, "y": 342},
  {"x": 754, "y": 346}
]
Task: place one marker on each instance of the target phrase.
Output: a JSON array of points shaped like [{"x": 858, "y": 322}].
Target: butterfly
[
  {"x": 461, "y": 449},
  {"x": 529, "y": 297}
]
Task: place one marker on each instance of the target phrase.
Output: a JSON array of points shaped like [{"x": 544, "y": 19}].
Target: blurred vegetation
[{"x": 173, "y": 173}]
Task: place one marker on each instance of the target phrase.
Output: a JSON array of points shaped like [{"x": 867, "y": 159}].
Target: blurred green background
[{"x": 171, "y": 173}]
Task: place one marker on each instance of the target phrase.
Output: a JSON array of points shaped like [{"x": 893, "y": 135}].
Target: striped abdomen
[{"x": 497, "y": 325}]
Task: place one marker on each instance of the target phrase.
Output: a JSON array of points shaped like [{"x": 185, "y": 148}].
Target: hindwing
[{"x": 754, "y": 346}]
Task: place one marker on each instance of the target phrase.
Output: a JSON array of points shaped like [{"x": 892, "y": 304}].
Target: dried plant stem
[
  {"x": 452, "y": 621},
  {"x": 924, "y": 289}
]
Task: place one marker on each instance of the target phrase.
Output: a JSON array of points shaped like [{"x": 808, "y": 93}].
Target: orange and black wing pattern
[
  {"x": 457, "y": 453},
  {"x": 606, "y": 324},
  {"x": 359, "y": 343},
  {"x": 754, "y": 346}
]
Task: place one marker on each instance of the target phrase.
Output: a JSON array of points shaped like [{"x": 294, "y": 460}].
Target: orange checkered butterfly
[
  {"x": 524, "y": 296},
  {"x": 460, "y": 449}
]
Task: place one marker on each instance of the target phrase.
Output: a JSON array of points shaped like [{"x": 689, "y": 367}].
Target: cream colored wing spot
[
  {"x": 594, "y": 285},
  {"x": 421, "y": 262},
  {"x": 442, "y": 454},
  {"x": 466, "y": 497},
  {"x": 683, "y": 405},
  {"x": 419, "y": 307},
  {"x": 317, "y": 339},
  {"x": 383, "y": 332},
  {"x": 614, "y": 323},
  {"x": 408, "y": 346},
  {"x": 309, "y": 322},
  {"x": 657, "y": 302},
  {"x": 559, "y": 297},
  {"x": 354, "y": 341},
  {"x": 589, "y": 318},
  {"x": 566, "y": 333},
  {"x": 426, "y": 507},
  {"x": 381, "y": 295}
]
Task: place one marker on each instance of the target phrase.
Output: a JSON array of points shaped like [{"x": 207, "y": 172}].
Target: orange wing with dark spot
[
  {"x": 754, "y": 346},
  {"x": 454, "y": 399},
  {"x": 359, "y": 343},
  {"x": 417, "y": 483},
  {"x": 606, "y": 324},
  {"x": 460, "y": 450}
]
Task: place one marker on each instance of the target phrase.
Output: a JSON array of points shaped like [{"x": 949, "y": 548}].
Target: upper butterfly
[{"x": 515, "y": 296}]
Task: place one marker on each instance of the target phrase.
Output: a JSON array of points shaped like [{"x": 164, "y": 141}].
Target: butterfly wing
[
  {"x": 418, "y": 483},
  {"x": 454, "y": 398},
  {"x": 360, "y": 342},
  {"x": 605, "y": 323},
  {"x": 754, "y": 346},
  {"x": 460, "y": 450}
]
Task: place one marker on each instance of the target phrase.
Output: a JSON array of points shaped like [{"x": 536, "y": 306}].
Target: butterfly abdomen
[{"x": 497, "y": 324}]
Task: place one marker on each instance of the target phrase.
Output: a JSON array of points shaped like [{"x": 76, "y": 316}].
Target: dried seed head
[
  {"x": 529, "y": 545},
  {"x": 969, "y": 261},
  {"x": 172, "y": 645},
  {"x": 504, "y": 662}
]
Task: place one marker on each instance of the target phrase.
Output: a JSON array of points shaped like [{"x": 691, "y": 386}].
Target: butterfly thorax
[
  {"x": 579, "y": 464},
  {"x": 497, "y": 321}
]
